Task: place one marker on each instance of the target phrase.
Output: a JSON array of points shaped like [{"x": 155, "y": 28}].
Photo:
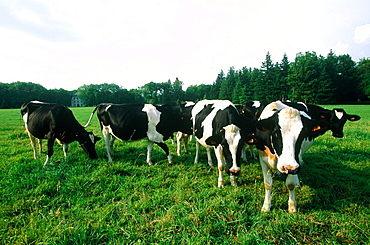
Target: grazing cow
[
  {"x": 54, "y": 121},
  {"x": 134, "y": 122},
  {"x": 218, "y": 124},
  {"x": 283, "y": 134},
  {"x": 336, "y": 118}
]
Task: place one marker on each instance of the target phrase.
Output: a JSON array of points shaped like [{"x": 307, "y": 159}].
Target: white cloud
[
  {"x": 341, "y": 48},
  {"x": 27, "y": 15},
  {"x": 362, "y": 34}
]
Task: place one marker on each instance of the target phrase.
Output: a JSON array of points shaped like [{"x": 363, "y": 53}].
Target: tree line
[{"x": 310, "y": 78}]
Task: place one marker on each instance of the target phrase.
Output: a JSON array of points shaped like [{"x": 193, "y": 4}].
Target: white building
[{"x": 76, "y": 101}]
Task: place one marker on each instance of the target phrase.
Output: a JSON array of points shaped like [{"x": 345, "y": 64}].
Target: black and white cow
[
  {"x": 55, "y": 122},
  {"x": 283, "y": 135},
  {"x": 336, "y": 117},
  {"x": 134, "y": 122},
  {"x": 218, "y": 124},
  {"x": 252, "y": 110}
]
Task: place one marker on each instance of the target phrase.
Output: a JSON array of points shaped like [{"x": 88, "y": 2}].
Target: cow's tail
[{"x": 91, "y": 116}]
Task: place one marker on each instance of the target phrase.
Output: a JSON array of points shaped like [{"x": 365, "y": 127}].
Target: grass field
[{"x": 80, "y": 201}]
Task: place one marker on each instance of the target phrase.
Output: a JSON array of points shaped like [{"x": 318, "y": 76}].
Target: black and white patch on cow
[
  {"x": 252, "y": 110},
  {"x": 218, "y": 124},
  {"x": 283, "y": 135},
  {"x": 139, "y": 121},
  {"x": 55, "y": 122}
]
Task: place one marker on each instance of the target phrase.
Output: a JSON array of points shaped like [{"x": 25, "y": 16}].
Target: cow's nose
[
  {"x": 295, "y": 171},
  {"x": 338, "y": 135},
  {"x": 234, "y": 171},
  {"x": 93, "y": 156}
]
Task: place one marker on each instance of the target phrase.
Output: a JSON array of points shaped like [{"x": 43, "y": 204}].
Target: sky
[{"x": 66, "y": 44}]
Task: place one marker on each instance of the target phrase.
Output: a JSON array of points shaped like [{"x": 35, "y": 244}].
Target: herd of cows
[{"x": 281, "y": 131}]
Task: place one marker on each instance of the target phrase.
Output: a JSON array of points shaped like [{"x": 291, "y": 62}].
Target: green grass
[{"x": 80, "y": 201}]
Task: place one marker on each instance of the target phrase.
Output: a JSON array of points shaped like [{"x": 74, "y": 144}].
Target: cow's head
[
  {"x": 230, "y": 139},
  {"x": 283, "y": 133},
  {"x": 87, "y": 142},
  {"x": 250, "y": 108},
  {"x": 338, "y": 117},
  {"x": 185, "y": 123}
]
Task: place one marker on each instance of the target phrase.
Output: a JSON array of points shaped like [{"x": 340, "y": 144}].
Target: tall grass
[{"x": 80, "y": 201}]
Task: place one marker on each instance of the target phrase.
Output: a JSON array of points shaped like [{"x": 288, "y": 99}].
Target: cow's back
[
  {"x": 38, "y": 119},
  {"x": 127, "y": 122},
  {"x": 211, "y": 116}
]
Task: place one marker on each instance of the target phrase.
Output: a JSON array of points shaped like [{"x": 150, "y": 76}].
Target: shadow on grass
[{"x": 337, "y": 177}]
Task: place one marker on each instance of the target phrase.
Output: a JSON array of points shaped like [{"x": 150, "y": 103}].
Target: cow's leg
[
  {"x": 51, "y": 140},
  {"x": 209, "y": 156},
  {"x": 33, "y": 144},
  {"x": 178, "y": 142},
  {"x": 291, "y": 182},
  {"x": 185, "y": 138},
  {"x": 108, "y": 141},
  {"x": 172, "y": 140},
  {"x": 186, "y": 141},
  {"x": 65, "y": 150},
  {"x": 111, "y": 143},
  {"x": 197, "y": 145},
  {"x": 40, "y": 146},
  {"x": 149, "y": 152},
  {"x": 221, "y": 165},
  {"x": 251, "y": 151},
  {"x": 267, "y": 180},
  {"x": 165, "y": 149},
  {"x": 244, "y": 154}
]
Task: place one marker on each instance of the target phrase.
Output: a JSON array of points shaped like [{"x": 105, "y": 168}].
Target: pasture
[{"x": 83, "y": 201}]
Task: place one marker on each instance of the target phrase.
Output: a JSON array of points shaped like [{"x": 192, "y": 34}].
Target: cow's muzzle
[
  {"x": 338, "y": 135},
  {"x": 295, "y": 171},
  {"x": 234, "y": 172},
  {"x": 95, "y": 156}
]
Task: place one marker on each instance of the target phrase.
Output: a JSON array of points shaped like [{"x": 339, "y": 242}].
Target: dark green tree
[
  {"x": 198, "y": 92},
  {"x": 178, "y": 92},
  {"x": 283, "y": 78},
  {"x": 216, "y": 87},
  {"x": 243, "y": 89},
  {"x": 307, "y": 79},
  {"x": 364, "y": 74},
  {"x": 21, "y": 92},
  {"x": 269, "y": 72},
  {"x": 259, "y": 89},
  {"x": 347, "y": 82},
  {"x": 228, "y": 84}
]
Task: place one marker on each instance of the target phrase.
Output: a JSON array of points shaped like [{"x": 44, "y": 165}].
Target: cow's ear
[
  {"x": 353, "y": 117},
  {"x": 214, "y": 140}
]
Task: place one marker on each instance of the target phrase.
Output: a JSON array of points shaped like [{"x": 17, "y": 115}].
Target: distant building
[{"x": 76, "y": 101}]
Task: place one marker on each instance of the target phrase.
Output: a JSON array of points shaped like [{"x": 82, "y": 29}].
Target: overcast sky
[{"x": 69, "y": 43}]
